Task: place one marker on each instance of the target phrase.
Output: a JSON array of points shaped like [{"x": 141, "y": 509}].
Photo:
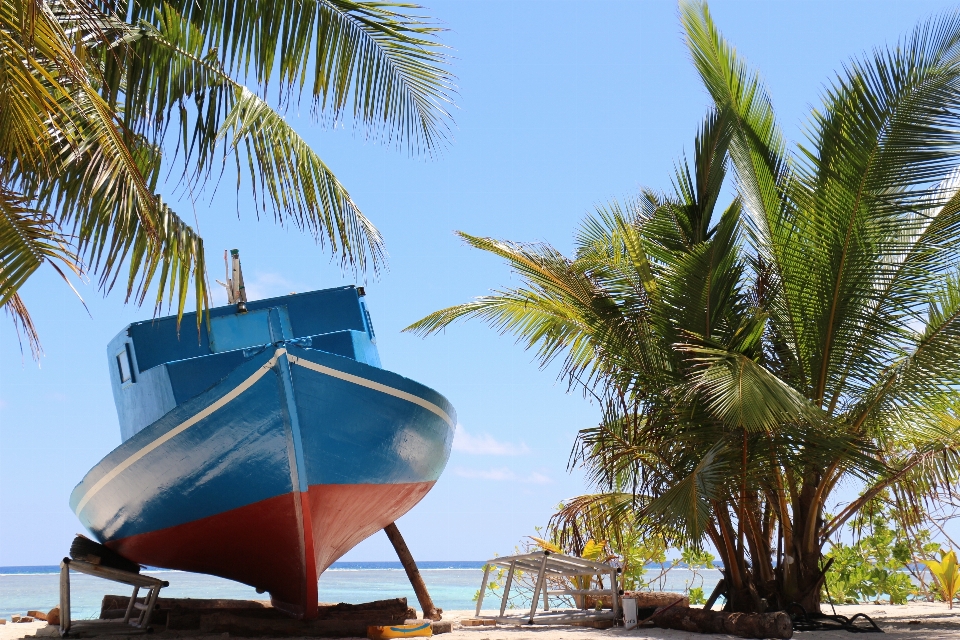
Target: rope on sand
[{"x": 803, "y": 621}]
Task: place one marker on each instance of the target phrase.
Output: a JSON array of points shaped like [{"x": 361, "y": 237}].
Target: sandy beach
[{"x": 928, "y": 621}]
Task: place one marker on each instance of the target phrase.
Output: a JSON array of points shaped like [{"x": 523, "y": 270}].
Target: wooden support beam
[
  {"x": 718, "y": 591},
  {"x": 430, "y": 612}
]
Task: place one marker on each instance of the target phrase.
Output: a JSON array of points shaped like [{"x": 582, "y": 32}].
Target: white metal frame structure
[
  {"x": 135, "y": 580},
  {"x": 546, "y": 564}
]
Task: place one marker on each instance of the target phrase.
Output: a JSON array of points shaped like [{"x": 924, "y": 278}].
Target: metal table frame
[
  {"x": 544, "y": 564},
  {"x": 136, "y": 580}
]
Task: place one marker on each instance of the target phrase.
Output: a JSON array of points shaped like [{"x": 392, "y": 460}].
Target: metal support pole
[
  {"x": 65, "y": 596},
  {"x": 133, "y": 602},
  {"x": 506, "y": 588},
  {"x": 614, "y": 593},
  {"x": 483, "y": 588},
  {"x": 151, "y": 601},
  {"x": 540, "y": 578}
]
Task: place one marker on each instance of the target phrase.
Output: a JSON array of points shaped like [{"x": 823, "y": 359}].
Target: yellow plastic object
[{"x": 400, "y": 631}]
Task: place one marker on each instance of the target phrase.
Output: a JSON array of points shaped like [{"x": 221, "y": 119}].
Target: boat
[{"x": 264, "y": 448}]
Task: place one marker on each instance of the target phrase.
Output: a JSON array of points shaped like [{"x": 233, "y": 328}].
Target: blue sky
[{"x": 561, "y": 106}]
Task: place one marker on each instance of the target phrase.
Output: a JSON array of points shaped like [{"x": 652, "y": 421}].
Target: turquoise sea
[{"x": 452, "y": 586}]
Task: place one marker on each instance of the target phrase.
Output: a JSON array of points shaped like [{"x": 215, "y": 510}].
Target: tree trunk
[
  {"x": 803, "y": 577},
  {"x": 812, "y": 582},
  {"x": 753, "y": 583},
  {"x": 744, "y": 625},
  {"x": 430, "y": 612}
]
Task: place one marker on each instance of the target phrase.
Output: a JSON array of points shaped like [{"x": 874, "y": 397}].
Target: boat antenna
[{"x": 236, "y": 292}]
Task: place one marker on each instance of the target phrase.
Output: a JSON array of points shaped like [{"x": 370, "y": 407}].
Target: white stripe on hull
[
  {"x": 370, "y": 384},
  {"x": 239, "y": 389}
]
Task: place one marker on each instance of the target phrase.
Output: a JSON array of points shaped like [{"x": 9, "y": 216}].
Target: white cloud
[
  {"x": 501, "y": 474},
  {"x": 538, "y": 478},
  {"x": 485, "y": 445}
]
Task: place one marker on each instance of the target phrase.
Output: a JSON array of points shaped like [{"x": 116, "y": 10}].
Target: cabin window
[{"x": 123, "y": 364}]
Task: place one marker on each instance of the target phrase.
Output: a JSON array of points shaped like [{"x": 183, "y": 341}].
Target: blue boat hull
[{"x": 274, "y": 472}]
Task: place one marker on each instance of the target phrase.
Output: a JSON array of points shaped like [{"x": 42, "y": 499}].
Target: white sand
[
  {"x": 936, "y": 622},
  {"x": 11, "y": 631}
]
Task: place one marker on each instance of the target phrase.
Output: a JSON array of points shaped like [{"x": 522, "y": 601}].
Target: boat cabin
[{"x": 155, "y": 366}]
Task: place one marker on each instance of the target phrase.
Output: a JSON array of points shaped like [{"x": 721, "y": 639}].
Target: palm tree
[
  {"x": 751, "y": 360},
  {"x": 98, "y": 100}
]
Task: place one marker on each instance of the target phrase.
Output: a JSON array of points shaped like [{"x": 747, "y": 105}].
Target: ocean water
[{"x": 452, "y": 585}]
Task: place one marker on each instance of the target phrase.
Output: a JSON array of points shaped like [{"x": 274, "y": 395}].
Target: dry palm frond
[{"x": 23, "y": 325}]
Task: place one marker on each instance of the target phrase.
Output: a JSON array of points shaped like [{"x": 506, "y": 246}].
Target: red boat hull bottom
[
  {"x": 265, "y": 544},
  {"x": 345, "y": 514}
]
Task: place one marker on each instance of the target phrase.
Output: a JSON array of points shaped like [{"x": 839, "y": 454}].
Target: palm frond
[
  {"x": 28, "y": 239},
  {"x": 39, "y": 73},
  {"x": 382, "y": 62},
  {"x": 285, "y": 174},
  {"x": 102, "y": 200},
  {"x": 85, "y": 172},
  {"x": 611, "y": 247},
  {"x": 758, "y": 153},
  {"x": 687, "y": 506},
  {"x": 905, "y": 294},
  {"x": 880, "y": 147},
  {"x": 600, "y": 514},
  {"x": 561, "y": 308},
  {"x": 756, "y": 145},
  {"x": 930, "y": 369},
  {"x": 916, "y": 473},
  {"x": 16, "y": 310},
  {"x": 703, "y": 286},
  {"x": 699, "y": 191},
  {"x": 743, "y": 394},
  {"x": 288, "y": 174}
]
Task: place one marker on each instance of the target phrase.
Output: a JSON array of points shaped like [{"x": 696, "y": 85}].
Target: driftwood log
[
  {"x": 113, "y": 603},
  {"x": 255, "y": 618},
  {"x": 743, "y": 625},
  {"x": 340, "y": 626},
  {"x": 430, "y": 612},
  {"x": 657, "y": 598}
]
